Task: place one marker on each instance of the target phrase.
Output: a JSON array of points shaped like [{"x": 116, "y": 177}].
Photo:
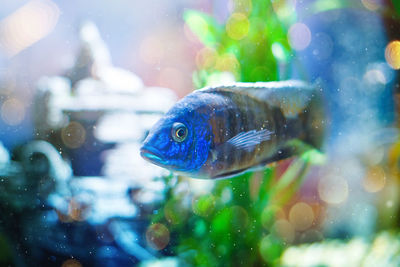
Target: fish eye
[{"x": 179, "y": 132}]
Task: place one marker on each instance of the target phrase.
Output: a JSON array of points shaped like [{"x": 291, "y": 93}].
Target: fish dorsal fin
[
  {"x": 290, "y": 96},
  {"x": 248, "y": 140}
]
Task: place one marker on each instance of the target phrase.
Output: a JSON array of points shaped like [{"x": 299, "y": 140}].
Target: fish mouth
[{"x": 152, "y": 155}]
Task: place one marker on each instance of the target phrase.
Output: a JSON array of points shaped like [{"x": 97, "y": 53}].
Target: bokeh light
[
  {"x": 270, "y": 248},
  {"x": 206, "y": 58},
  {"x": 203, "y": 205},
  {"x": 301, "y": 216},
  {"x": 269, "y": 215},
  {"x": 73, "y": 135},
  {"x": 372, "y": 5},
  {"x": 229, "y": 63},
  {"x": 27, "y": 25},
  {"x": 71, "y": 263},
  {"x": 285, "y": 230},
  {"x": 174, "y": 212},
  {"x": 12, "y": 111},
  {"x": 392, "y": 54},
  {"x": 249, "y": 220},
  {"x": 285, "y": 9},
  {"x": 375, "y": 77},
  {"x": 238, "y": 26},
  {"x": 157, "y": 236},
  {"x": 333, "y": 189},
  {"x": 299, "y": 36},
  {"x": 375, "y": 179},
  {"x": 311, "y": 235}
]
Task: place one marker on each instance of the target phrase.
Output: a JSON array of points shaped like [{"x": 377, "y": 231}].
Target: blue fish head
[{"x": 180, "y": 141}]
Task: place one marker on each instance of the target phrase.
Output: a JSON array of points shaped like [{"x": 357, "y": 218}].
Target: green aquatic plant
[
  {"x": 250, "y": 45},
  {"x": 238, "y": 221},
  {"x": 232, "y": 223},
  {"x": 396, "y": 5}
]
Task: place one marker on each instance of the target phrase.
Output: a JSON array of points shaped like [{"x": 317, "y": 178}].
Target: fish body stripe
[
  {"x": 234, "y": 128},
  {"x": 233, "y": 115}
]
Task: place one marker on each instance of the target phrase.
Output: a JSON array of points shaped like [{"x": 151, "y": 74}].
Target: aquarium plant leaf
[
  {"x": 203, "y": 26},
  {"x": 396, "y": 4},
  {"x": 314, "y": 156}
]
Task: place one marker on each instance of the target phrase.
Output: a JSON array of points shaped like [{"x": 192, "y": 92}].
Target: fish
[{"x": 226, "y": 130}]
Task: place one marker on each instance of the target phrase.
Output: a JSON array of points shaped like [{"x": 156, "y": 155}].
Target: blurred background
[{"x": 81, "y": 83}]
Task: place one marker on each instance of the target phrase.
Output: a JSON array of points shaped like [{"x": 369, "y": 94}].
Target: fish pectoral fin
[{"x": 248, "y": 140}]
